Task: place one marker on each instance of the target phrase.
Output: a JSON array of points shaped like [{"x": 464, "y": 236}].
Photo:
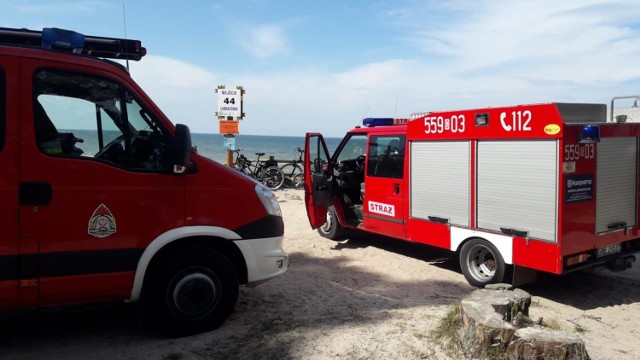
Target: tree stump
[
  {"x": 492, "y": 323},
  {"x": 487, "y": 316},
  {"x": 541, "y": 343}
]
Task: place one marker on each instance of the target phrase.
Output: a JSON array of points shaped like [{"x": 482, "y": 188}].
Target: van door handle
[
  {"x": 396, "y": 189},
  {"x": 514, "y": 232},
  {"x": 617, "y": 225},
  {"x": 34, "y": 193}
]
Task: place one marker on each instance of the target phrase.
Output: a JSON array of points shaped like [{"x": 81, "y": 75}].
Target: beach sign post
[{"x": 229, "y": 114}]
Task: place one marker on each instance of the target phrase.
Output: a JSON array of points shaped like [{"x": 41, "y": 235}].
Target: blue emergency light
[
  {"x": 371, "y": 122},
  {"x": 589, "y": 134},
  {"x": 67, "y": 40},
  {"x": 54, "y": 38}
]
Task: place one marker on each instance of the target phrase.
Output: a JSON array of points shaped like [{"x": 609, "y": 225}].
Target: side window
[
  {"x": 85, "y": 116},
  {"x": 386, "y": 156},
  {"x": 3, "y": 109},
  {"x": 352, "y": 148},
  {"x": 319, "y": 159},
  {"x": 350, "y": 159}
]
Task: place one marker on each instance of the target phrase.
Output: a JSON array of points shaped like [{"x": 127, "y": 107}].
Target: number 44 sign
[{"x": 229, "y": 103}]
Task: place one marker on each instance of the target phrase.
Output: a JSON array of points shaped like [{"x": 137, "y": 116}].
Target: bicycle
[
  {"x": 267, "y": 173},
  {"x": 294, "y": 173}
]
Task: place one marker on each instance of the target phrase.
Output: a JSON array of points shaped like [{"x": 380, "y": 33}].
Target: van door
[
  {"x": 99, "y": 184},
  {"x": 317, "y": 193},
  {"x": 9, "y": 270},
  {"x": 383, "y": 209}
]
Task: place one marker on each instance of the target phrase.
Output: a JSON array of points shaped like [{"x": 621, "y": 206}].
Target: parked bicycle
[
  {"x": 294, "y": 172},
  {"x": 266, "y": 172}
]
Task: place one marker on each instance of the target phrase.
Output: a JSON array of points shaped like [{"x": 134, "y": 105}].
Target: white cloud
[
  {"x": 569, "y": 40},
  {"x": 165, "y": 71},
  {"x": 265, "y": 41},
  {"x": 297, "y": 101},
  {"x": 184, "y": 92},
  {"x": 500, "y": 53}
]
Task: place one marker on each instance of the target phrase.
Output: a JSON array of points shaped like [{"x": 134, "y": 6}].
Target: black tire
[
  {"x": 481, "y": 263},
  {"x": 192, "y": 291},
  {"x": 293, "y": 175},
  {"x": 272, "y": 177},
  {"x": 332, "y": 229}
]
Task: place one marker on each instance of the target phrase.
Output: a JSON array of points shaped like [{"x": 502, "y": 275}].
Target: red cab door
[
  {"x": 9, "y": 271},
  {"x": 383, "y": 201},
  {"x": 317, "y": 192},
  {"x": 98, "y": 185}
]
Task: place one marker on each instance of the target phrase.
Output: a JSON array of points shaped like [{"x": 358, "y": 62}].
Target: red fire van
[
  {"x": 545, "y": 187},
  {"x": 103, "y": 198}
]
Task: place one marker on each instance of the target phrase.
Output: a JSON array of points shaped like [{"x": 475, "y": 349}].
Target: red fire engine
[
  {"x": 546, "y": 187},
  {"x": 103, "y": 198}
]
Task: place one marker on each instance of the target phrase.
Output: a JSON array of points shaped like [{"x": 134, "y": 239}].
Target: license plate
[{"x": 609, "y": 250}]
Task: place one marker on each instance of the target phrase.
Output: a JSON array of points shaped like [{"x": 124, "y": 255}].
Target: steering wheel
[
  {"x": 360, "y": 161},
  {"x": 104, "y": 153}
]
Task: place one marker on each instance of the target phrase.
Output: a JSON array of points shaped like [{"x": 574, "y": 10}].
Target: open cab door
[{"x": 317, "y": 190}]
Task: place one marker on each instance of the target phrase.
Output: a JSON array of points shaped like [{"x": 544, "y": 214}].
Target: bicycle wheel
[
  {"x": 272, "y": 177},
  {"x": 241, "y": 165},
  {"x": 293, "y": 175}
]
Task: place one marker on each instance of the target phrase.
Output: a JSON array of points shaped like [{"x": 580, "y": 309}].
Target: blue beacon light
[
  {"x": 62, "y": 39},
  {"x": 372, "y": 122},
  {"x": 589, "y": 134}
]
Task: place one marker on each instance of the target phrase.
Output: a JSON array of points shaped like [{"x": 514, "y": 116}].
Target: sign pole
[
  {"x": 229, "y": 115},
  {"x": 229, "y": 158}
]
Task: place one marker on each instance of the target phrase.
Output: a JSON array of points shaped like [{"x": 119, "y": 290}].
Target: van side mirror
[{"x": 180, "y": 147}]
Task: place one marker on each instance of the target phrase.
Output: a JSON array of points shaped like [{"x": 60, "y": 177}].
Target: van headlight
[{"x": 269, "y": 200}]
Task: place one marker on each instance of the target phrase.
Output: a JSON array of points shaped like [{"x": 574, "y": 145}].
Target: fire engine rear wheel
[
  {"x": 331, "y": 228},
  {"x": 192, "y": 291},
  {"x": 481, "y": 263}
]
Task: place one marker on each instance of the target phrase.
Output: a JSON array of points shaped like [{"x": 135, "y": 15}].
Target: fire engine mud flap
[
  {"x": 621, "y": 264},
  {"x": 523, "y": 275}
]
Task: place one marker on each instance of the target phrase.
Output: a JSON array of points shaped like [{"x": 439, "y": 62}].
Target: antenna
[
  {"x": 396, "y": 108},
  {"x": 365, "y": 112},
  {"x": 362, "y": 117},
  {"x": 124, "y": 19}
]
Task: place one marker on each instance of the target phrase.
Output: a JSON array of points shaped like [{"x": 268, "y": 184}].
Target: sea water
[
  {"x": 213, "y": 145},
  {"x": 280, "y": 147}
]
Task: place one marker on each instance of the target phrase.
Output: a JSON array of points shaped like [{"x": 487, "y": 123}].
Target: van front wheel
[
  {"x": 331, "y": 229},
  {"x": 192, "y": 291},
  {"x": 481, "y": 263}
]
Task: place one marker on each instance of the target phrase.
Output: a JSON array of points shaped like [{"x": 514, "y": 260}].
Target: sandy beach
[{"x": 363, "y": 298}]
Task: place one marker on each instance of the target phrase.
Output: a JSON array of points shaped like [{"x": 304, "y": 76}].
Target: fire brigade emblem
[{"x": 102, "y": 223}]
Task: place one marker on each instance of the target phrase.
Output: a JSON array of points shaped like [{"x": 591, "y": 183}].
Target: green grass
[
  {"x": 447, "y": 334},
  {"x": 553, "y": 324},
  {"x": 579, "y": 329}
]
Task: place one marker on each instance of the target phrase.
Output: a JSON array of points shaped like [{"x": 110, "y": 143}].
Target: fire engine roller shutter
[
  {"x": 440, "y": 181},
  {"x": 616, "y": 182},
  {"x": 517, "y": 187}
]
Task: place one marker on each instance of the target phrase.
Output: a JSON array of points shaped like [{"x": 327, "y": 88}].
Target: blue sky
[{"x": 322, "y": 65}]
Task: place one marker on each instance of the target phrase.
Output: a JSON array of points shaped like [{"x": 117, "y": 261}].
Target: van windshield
[{"x": 91, "y": 117}]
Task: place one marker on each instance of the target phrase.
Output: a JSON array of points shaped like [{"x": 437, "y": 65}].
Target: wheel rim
[
  {"x": 481, "y": 263},
  {"x": 279, "y": 178},
  {"x": 297, "y": 180},
  {"x": 273, "y": 178},
  {"x": 195, "y": 295},
  {"x": 292, "y": 175},
  {"x": 328, "y": 224},
  {"x": 268, "y": 179}
]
